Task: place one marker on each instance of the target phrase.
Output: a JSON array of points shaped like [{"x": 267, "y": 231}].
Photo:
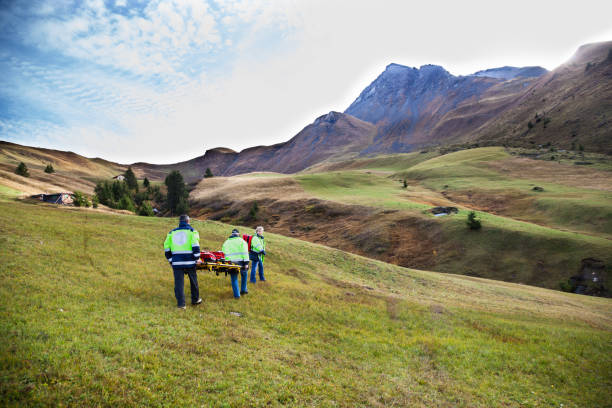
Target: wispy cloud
[{"x": 116, "y": 70}]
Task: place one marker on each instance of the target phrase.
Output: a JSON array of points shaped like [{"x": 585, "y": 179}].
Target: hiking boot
[
  {"x": 197, "y": 302},
  {"x": 182, "y": 307},
  {"x": 244, "y": 293}
]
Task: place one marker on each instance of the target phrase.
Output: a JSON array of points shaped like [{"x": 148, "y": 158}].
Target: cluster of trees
[{"x": 126, "y": 195}]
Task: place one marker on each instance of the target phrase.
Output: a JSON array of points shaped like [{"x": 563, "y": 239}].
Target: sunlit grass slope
[
  {"x": 88, "y": 319},
  {"x": 535, "y": 237},
  {"x": 573, "y": 198}
]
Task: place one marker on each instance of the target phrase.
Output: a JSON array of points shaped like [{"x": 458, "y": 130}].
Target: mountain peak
[
  {"x": 330, "y": 117},
  {"x": 397, "y": 67}
]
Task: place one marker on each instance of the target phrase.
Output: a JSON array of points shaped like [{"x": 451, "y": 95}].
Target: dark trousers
[{"x": 179, "y": 285}]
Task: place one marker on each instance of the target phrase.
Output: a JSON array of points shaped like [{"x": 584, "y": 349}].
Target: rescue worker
[
  {"x": 257, "y": 251},
  {"x": 182, "y": 249},
  {"x": 236, "y": 251}
]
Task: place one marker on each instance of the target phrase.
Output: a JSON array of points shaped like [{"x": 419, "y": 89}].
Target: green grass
[
  {"x": 9, "y": 192},
  {"x": 357, "y": 187},
  {"x": 540, "y": 240},
  {"x": 584, "y": 210},
  {"x": 381, "y": 163},
  {"x": 88, "y": 319}
]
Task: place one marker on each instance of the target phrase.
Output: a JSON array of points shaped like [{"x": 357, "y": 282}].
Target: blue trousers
[
  {"x": 243, "y": 283},
  {"x": 254, "y": 265},
  {"x": 179, "y": 285}
]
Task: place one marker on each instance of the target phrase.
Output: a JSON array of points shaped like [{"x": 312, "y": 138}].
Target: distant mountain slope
[
  {"x": 411, "y": 106},
  {"x": 405, "y": 109},
  {"x": 568, "y": 107},
  {"x": 72, "y": 171},
  {"x": 332, "y": 135}
]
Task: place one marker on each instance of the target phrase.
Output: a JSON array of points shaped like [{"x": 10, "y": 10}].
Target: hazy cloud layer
[{"x": 162, "y": 81}]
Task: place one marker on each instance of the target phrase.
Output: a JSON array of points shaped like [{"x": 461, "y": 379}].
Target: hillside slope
[
  {"x": 72, "y": 171},
  {"x": 90, "y": 320},
  {"x": 334, "y": 135},
  {"x": 568, "y": 107},
  {"x": 533, "y": 237}
]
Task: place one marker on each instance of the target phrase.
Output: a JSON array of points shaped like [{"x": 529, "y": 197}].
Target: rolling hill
[
  {"x": 89, "y": 319},
  {"x": 532, "y": 237},
  {"x": 72, "y": 171}
]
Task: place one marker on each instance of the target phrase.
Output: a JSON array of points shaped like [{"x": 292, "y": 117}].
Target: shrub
[
  {"x": 95, "y": 201},
  {"x": 529, "y": 125},
  {"x": 49, "y": 169},
  {"x": 80, "y": 200},
  {"x": 567, "y": 286},
  {"x": 22, "y": 170},
  {"x": 146, "y": 183},
  {"x": 145, "y": 209},
  {"x": 208, "y": 173},
  {"x": 405, "y": 184},
  {"x": 125, "y": 203},
  {"x": 473, "y": 222},
  {"x": 252, "y": 215}
]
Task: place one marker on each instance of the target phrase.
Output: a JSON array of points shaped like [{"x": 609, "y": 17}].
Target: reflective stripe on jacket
[
  {"x": 182, "y": 246},
  {"x": 236, "y": 249}
]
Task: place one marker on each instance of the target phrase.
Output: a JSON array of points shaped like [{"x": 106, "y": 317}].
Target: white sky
[{"x": 163, "y": 81}]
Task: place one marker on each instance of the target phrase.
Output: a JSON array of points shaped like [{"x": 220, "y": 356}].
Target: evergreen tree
[
  {"x": 22, "y": 170},
  {"x": 49, "y": 169},
  {"x": 183, "y": 206},
  {"x": 177, "y": 192},
  {"x": 146, "y": 183},
  {"x": 130, "y": 179},
  {"x": 208, "y": 173},
  {"x": 125, "y": 203}
]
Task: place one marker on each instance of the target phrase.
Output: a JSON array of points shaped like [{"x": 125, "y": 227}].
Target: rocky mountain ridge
[{"x": 407, "y": 108}]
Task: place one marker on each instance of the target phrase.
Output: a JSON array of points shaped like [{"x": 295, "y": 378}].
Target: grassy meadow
[{"x": 89, "y": 319}]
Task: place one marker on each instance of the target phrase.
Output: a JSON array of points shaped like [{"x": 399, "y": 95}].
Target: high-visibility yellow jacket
[
  {"x": 182, "y": 246},
  {"x": 236, "y": 249},
  {"x": 258, "y": 244}
]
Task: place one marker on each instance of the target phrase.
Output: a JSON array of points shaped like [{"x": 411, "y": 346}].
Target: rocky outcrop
[{"x": 415, "y": 107}]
